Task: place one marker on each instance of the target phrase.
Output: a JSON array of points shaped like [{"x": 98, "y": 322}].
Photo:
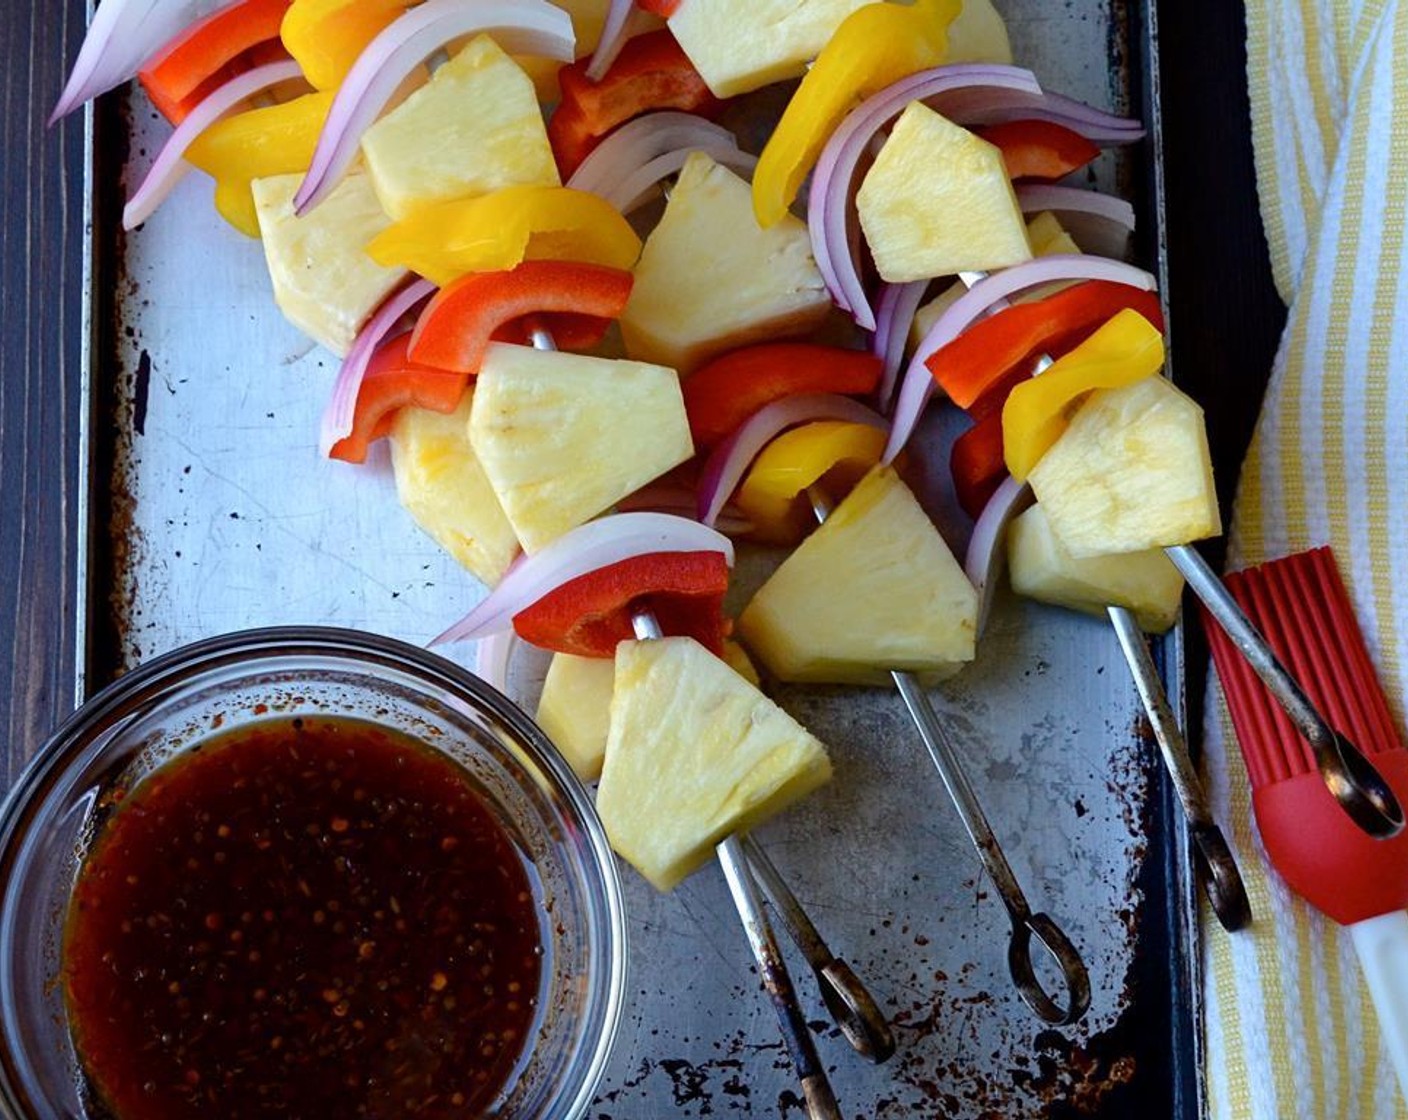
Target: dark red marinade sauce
[{"x": 302, "y": 918}]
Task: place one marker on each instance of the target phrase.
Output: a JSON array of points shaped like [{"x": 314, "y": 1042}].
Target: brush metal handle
[
  {"x": 1348, "y": 774},
  {"x": 1222, "y": 880},
  {"x": 1382, "y": 945}
]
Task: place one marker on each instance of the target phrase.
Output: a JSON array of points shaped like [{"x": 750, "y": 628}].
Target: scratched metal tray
[{"x": 212, "y": 512}]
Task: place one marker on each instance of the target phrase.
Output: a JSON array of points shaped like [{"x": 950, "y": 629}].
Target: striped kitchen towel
[{"x": 1290, "y": 1030}]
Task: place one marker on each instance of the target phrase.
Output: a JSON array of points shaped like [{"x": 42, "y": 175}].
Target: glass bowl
[{"x": 174, "y": 702}]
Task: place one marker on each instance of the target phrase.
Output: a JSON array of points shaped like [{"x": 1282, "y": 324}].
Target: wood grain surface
[{"x": 42, "y": 247}]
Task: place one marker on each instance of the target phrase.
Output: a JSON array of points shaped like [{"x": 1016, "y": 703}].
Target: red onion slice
[
  {"x": 1076, "y": 200},
  {"x": 638, "y": 142},
  {"x": 894, "y": 317},
  {"x": 638, "y": 188},
  {"x": 519, "y": 26},
  {"x": 729, "y": 461},
  {"x": 956, "y": 91},
  {"x": 985, "y": 558},
  {"x": 918, "y": 384},
  {"x": 123, "y": 36},
  {"x": 614, "y": 33},
  {"x": 170, "y": 167},
  {"x": 597, "y": 544},
  {"x": 342, "y": 405},
  {"x": 493, "y": 657}
]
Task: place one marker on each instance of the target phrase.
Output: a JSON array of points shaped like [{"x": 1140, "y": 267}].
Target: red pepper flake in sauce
[{"x": 357, "y": 939}]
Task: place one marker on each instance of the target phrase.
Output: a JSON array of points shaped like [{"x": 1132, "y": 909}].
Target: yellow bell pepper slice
[
  {"x": 836, "y": 449},
  {"x": 277, "y": 140},
  {"x": 873, "y": 47},
  {"x": 497, "y": 231},
  {"x": 1128, "y": 348},
  {"x": 325, "y": 37}
]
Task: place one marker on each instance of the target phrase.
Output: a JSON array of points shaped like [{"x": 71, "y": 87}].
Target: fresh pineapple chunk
[
  {"x": 473, "y": 128},
  {"x": 1047, "y": 236},
  {"x": 1041, "y": 568},
  {"x": 737, "y": 659},
  {"x": 978, "y": 35},
  {"x": 710, "y": 279},
  {"x": 441, "y": 484},
  {"x": 1131, "y": 472},
  {"x": 938, "y": 201},
  {"x": 694, "y": 753},
  {"x": 563, "y": 436},
  {"x": 575, "y": 710},
  {"x": 743, "y": 45},
  {"x": 873, "y": 589},
  {"x": 323, "y": 282}
]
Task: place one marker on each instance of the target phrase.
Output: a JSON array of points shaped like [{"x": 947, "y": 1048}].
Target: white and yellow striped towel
[{"x": 1291, "y": 1031}]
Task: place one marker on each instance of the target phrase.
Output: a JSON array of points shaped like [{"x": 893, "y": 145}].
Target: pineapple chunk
[
  {"x": 710, "y": 279},
  {"x": 323, "y": 282},
  {"x": 743, "y": 45},
  {"x": 1145, "y": 582},
  {"x": 575, "y": 710},
  {"x": 873, "y": 589},
  {"x": 563, "y": 436},
  {"x": 737, "y": 659},
  {"x": 694, "y": 753},
  {"x": 473, "y": 128},
  {"x": 938, "y": 201},
  {"x": 441, "y": 484},
  {"x": 1047, "y": 236},
  {"x": 978, "y": 35},
  {"x": 1131, "y": 472}
]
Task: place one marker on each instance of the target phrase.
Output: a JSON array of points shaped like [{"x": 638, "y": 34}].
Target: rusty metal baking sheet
[{"x": 221, "y": 516}]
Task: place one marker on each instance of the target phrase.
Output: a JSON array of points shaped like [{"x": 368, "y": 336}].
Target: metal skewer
[
  {"x": 851, "y": 1006},
  {"x": 1026, "y": 925}
]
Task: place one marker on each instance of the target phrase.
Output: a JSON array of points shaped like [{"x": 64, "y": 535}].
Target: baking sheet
[{"x": 214, "y": 513}]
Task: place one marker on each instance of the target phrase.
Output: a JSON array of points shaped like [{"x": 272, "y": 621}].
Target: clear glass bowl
[{"x": 172, "y": 703}]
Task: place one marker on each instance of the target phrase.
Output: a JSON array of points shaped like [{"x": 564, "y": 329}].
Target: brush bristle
[{"x": 1301, "y": 607}]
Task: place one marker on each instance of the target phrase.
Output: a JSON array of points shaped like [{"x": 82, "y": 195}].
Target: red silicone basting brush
[{"x": 1301, "y": 606}]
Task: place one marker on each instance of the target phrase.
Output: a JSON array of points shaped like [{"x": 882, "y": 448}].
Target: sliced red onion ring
[
  {"x": 520, "y": 27},
  {"x": 1094, "y": 124},
  {"x": 493, "y": 657},
  {"x": 638, "y": 188},
  {"x": 918, "y": 384},
  {"x": 1076, "y": 200},
  {"x": 597, "y": 544},
  {"x": 984, "y": 560},
  {"x": 124, "y": 34},
  {"x": 170, "y": 167},
  {"x": 638, "y": 142},
  {"x": 682, "y": 502},
  {"x": 614, "y": 33},
  {"x": 894, "y": 317},
  {"x": 1100, "y": 223},
  {"x": 342, "y": 405},
  {"x": 729, "y": 461},
  {"x": 957, "y": 92}
]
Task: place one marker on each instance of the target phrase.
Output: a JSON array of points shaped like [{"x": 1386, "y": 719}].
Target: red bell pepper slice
[
  {"x": 455, "y": 328},
  {"x": 1039, "y": 149},
  {"x": 993, "y": 348},
  {"x": 725, "y": 392},
  {"x": 977, "y": 464},
  {"x": 650, "y": 73},
  {"x": 588, "y": 616},
  {"x": 663, "y": 8},
  {"x": 393, "y": 381},
  {"x": 208, "y": 54}
]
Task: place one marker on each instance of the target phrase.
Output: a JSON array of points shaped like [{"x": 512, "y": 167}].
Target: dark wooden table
[{"x": 1225, "y": 322}]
